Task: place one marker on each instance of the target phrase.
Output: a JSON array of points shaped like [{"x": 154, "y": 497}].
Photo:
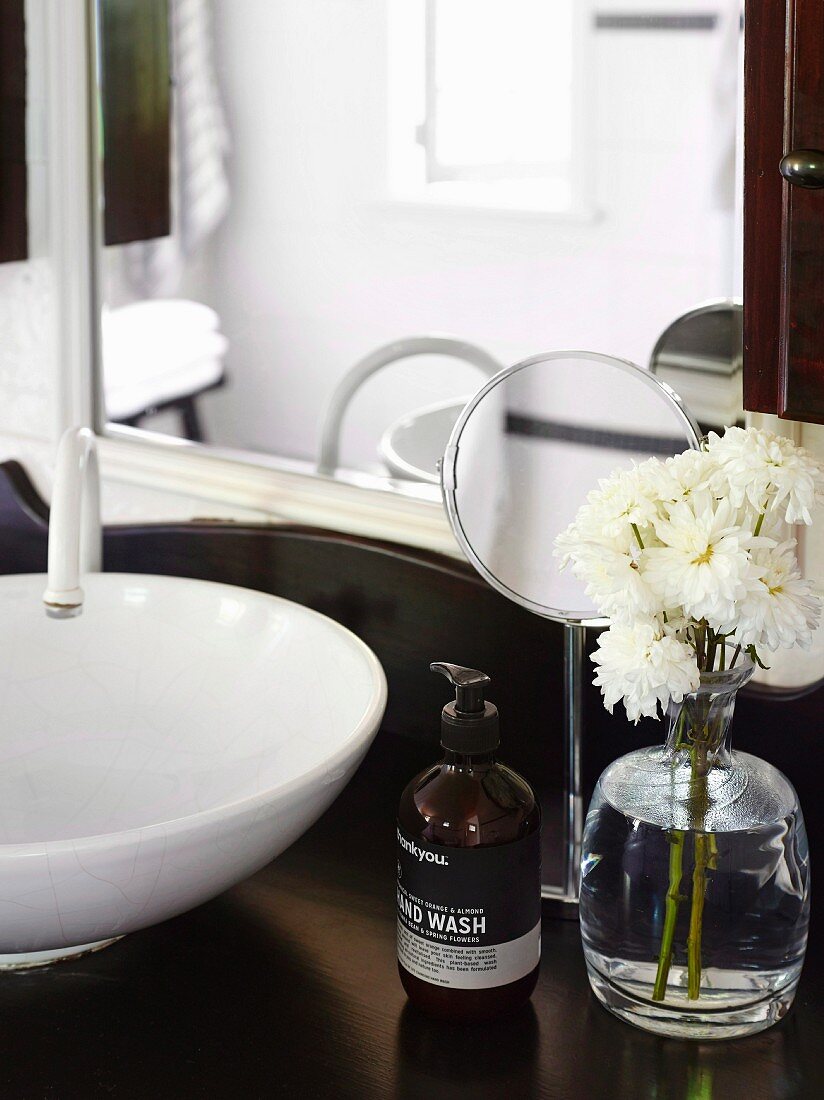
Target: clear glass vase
[{"x": 695, "y": 879}]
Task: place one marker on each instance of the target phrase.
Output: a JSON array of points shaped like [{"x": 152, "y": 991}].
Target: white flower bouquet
[{"x": 691, "y": 561}]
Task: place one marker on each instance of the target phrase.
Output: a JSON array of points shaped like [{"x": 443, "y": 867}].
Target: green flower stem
[
  {"x": 712, "y": 845},
  {"x": 693, "y": 729},
  {"x": 676, "y": 838},
  {"x": 699, "y": 889},
  {"x": 705, "y": 852},
  {"x": 700, "y": 643},
  {"x": 712, "y": 645},
  {"x": 676, "y": 863}
]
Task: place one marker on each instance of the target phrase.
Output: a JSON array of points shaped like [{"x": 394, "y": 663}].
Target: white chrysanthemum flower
[
  {"x": 779, "y": 609},
  {"x": 638, "y": 665},
  {"x": 704, "y": 564},
  {"x": 687, "y": 475},
  {"x": 567, "y": 545},
  {"x": 614, "y": 580},
  {"x": 768, "y": 470},
  {"x": 621, "y": 501},
  {"x": 675, "y": 624},
  {"x": 774, "y": 528},
  {"x": 651, "y": 475},
  {"x": 587, "y": 531}
]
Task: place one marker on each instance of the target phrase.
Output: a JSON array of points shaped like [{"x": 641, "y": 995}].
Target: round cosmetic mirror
[{"x": 528, "y": 448}]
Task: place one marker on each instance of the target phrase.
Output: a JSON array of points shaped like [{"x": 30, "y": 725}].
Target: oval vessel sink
[{"x": 161, "y": 746}]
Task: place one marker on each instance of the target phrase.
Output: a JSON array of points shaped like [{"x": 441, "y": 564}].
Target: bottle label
[{"x": 469, "y": 918}]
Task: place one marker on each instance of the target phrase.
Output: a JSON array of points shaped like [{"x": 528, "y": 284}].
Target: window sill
[{"x": 417, "y": 205}]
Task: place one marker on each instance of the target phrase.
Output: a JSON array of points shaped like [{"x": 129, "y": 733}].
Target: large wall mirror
[{"x": 347, "y": 175}]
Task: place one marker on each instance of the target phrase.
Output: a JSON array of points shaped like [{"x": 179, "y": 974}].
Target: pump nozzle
[
  {"x": 469, "y": 686},
  {"x": 469, "y": 724}
]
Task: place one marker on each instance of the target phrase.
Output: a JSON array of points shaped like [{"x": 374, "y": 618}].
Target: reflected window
[{"x": 485, "y": 102}]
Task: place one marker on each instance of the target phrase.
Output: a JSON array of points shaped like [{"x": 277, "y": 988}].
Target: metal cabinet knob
[{"x": 803, "y": 168}]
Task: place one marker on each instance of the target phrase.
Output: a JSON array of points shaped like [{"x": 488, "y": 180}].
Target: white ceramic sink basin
[
  {"x": 161, "y": 746},
  {"x": 412, "y": 445}
]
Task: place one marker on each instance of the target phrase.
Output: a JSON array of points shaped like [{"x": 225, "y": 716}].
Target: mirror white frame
[{"x": 673, "y": 403}]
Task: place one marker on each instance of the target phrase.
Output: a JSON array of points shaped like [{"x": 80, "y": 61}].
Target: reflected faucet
[
  {"x": 75, "y": 534},
  {"x": 351, "y": 382}
]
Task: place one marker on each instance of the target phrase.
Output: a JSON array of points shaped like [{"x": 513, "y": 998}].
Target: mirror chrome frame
[{"x": 448, "y": 481}]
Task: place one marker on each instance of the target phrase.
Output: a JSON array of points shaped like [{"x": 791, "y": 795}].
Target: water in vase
[{"x": 732, "y": 967}]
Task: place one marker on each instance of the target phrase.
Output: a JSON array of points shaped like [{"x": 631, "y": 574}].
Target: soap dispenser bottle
[{"x": 469, "y": 869}]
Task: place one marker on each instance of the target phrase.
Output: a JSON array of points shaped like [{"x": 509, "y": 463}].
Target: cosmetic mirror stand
[
  {"x": 523, "y": 455},
  {"x": 574, "y": 653}
]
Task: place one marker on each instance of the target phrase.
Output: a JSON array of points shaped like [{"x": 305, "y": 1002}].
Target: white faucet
[{"x": 75, "y": 534}]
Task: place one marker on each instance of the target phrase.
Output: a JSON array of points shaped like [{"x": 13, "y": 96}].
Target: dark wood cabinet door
[
  {"x": 136, "y": 119},
  {"x": 783, "y": 221}
]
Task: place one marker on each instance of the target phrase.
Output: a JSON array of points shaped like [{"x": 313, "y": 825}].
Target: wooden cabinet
[
  {"x": 783, "y": 221},
  {"x": 136, "y": 120}
]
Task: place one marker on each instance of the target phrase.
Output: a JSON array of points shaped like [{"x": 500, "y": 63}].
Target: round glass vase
[{"x": 695, "y": 879}]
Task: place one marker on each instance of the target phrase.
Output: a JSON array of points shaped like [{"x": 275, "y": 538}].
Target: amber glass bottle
[{"x": 469, "y": 871}]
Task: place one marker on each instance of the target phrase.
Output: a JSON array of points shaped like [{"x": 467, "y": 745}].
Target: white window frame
[
  {"x": 465, "y": 196},
  {"x": 437, "y": 170}
]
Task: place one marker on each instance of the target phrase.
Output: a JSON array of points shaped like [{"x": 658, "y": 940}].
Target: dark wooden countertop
[{"x": 286, "y": 986}]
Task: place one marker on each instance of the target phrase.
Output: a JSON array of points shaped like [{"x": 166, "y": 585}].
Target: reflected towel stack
[{"x": 159, "y": 351}]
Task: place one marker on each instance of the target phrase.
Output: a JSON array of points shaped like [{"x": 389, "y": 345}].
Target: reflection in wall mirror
[
  {"x": 701, "y": 356},
  {"x": 510, "y": 173},
  {"x": 411, "y": 446}
]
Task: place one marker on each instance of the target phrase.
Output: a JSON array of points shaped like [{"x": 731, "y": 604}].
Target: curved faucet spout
[{"x": 75, "y": 536}]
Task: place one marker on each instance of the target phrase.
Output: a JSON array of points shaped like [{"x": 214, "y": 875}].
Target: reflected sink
[
  {"x": 160, "y": 747},
  {"x": 412, "y": 446}
]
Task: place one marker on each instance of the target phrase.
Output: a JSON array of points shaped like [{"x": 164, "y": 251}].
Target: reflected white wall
[{"x": 315, "y": 266}]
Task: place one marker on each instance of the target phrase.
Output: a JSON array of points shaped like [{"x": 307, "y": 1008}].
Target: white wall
[
  {"x": 313, "y": 267},
  {"x": 28, "y": 360}
]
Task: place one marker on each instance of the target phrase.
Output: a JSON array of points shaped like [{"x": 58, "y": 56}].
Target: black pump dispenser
[
  {"x": 469, "y": 869},
  {"x": 469, "y": 724}
]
